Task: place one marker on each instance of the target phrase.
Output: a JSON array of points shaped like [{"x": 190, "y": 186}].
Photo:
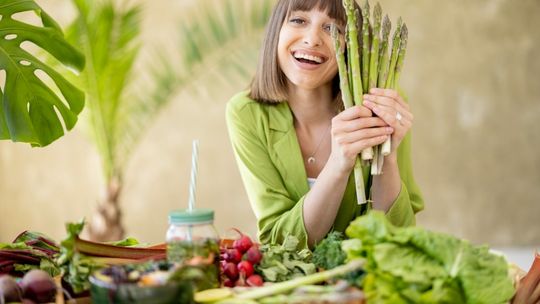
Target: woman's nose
[{"x": 313, "y": 37}]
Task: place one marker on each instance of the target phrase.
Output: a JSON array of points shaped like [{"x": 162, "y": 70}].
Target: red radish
[
  {"x": 9, "y": 290},
  {"x": 228, "y": 283},
  {"x": 241, "y": 281},
  {"x": 38, "y": 286},
  {"x": 243, "y": 243},
  {"x": 253, "y": 255},
  {"x": 233, "y": 255},
  {"x": 254, "y": 280},
  {"x": 245, "y": 268},
  {"x": 231, "y": 271}
]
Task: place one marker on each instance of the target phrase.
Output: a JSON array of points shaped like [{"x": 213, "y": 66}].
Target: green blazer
[{"x": 272, "y": 168}]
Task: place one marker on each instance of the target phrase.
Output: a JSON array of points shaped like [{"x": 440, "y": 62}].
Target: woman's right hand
[{"x": 354, "y": 130}]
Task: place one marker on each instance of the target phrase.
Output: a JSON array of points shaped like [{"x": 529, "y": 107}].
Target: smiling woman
[{"x": 296, "y": 151}]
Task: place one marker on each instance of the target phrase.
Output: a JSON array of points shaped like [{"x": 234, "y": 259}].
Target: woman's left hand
[{"x": 390, "y": 107}]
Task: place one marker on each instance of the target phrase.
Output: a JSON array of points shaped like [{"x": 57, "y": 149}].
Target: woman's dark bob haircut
[{"x": 269, "y": 84}]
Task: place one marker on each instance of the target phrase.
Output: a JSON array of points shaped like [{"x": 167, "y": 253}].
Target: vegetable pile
[
  {"x": 413, "y": 265},
  {"x": 238, "y": 262},
  {"x": 283, "y": 262},
  {"x": 370, "y": 63}
]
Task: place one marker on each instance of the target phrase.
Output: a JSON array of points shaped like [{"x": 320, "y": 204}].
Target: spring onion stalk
[
  {"x": 348, "y": 102},
  {"x": 286, "y": 286},
  {"x": 396, "y": 43}
]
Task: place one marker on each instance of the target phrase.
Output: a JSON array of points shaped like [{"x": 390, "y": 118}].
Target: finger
[
  {"x": 384, "y": 92},
  {"x": 390, "y": 107},
  {"x": 389, "y": 115},
  {"x": 358, "y": 146},
  {"x": 351, "y": 137},
  {"x": 393, "y": 94},
  {"x": 358, "y": 124},
  {"x": 354, "y": 112}
]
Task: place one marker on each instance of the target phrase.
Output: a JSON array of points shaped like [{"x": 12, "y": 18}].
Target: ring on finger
[{"x": 399, "y": 117}]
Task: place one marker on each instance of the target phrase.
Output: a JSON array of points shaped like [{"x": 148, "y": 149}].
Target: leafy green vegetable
[
  {"x": 413, "y": 265},
  {"x": 28, "y": 106},
  {"x": 127, "y": 242},
  {"x": 328, "y": 253},
  {"x": 283, "y": 262},
  {"x": 76, "y": 268}
]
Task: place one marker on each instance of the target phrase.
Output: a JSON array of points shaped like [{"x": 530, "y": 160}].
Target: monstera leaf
[{"x": 29, "y": 106}]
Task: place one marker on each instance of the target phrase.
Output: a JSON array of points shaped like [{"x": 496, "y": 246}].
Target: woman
[{"x": 296, "y": 150}]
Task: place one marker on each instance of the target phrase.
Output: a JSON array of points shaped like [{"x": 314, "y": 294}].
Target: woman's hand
[
  {"x": 354, "y": 130},
  {"x": 390, "y": 107}
]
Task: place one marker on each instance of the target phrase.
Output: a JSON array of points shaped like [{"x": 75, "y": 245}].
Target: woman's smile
[{"x": 308, "y": 59}]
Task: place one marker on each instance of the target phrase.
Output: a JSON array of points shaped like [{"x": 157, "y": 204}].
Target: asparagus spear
[
  {"x": 353, "y": 48},
  {"x": 401, "y": 55},
  {"x": 367, "y": 154},
  {"x": 395, "y": 50},
  {"x": 349, "y": 56},
  {"x": 387, "y": 145},
  {"x": 374, "y": 55},
  {"x": 373, "y": 69},
  {"x": 357, "y": 87},
  {"x": 365, "y": 45},
  {"x": 383, "y": 53},
  {"x": 342, "y": 70},
  {"x": 348, "y": 102},
  {"x": 377, "y": 164}
]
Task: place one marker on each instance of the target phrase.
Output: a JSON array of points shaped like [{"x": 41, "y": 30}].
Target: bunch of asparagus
[{"x": 376, "y": 67}]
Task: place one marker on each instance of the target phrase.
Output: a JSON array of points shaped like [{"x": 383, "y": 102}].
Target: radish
[
  {"x": 233, "y": 255},
  {"x": 254, "y": 280},
  {"x": 231, "y": 271},
  {"x": 245, "y": 268},
  {"x": 228, "y": 283},
  {"x": 38, "y": 286},
  {"x": 9, "y": 290},
  {"x": 254, "y": 255},
  {"x": 243, "y": 243}
]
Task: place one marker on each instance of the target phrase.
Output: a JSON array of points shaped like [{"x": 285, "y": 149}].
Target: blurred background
[{"x": 471, "y": 75}]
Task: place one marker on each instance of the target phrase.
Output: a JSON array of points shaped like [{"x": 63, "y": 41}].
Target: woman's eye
[
  {"x": 297, "y": 20},
  {"x": 328, "y": 28}
]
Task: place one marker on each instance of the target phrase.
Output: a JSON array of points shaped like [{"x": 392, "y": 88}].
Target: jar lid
[{"x": 186, "y": 216}]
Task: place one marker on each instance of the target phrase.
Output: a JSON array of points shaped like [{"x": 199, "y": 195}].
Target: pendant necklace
[{"x": 311, "y": 159}]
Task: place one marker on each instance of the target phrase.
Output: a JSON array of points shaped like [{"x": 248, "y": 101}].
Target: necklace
[{"x": 311, "y": 159}]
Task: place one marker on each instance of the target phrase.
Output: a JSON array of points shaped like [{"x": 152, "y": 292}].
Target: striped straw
[{"x": 193, "y": 182}]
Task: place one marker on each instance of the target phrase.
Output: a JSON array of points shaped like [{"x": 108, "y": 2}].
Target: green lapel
[{"x": 286, "y": 150}]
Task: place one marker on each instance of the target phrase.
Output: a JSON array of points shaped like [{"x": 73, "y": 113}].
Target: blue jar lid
[{"x": 194, "y": 216}]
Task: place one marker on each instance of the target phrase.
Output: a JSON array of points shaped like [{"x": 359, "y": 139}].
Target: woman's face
[{"x": 305, "y": 49}]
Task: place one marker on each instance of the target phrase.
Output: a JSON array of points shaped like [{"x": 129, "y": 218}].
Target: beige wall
[{"x": 472, "y": 79}]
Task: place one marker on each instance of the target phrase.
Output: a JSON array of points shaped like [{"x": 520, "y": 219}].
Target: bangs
[{"x": 333, "y": 8}]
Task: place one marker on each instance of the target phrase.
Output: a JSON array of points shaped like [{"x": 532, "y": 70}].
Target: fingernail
[
  {"x": 367, "y": 102},
  {"x": 389, "y": 129}
]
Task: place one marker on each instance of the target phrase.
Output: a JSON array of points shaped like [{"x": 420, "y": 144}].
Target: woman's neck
[{"x": 311, "y": 107}]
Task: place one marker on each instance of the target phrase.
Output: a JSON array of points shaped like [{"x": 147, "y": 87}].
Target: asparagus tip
[{"x": 404, "y": 35}]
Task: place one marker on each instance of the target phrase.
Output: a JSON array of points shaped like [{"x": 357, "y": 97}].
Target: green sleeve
[
  {"x": 409, "y": 200},
  {"x": 278, "y": 214}
]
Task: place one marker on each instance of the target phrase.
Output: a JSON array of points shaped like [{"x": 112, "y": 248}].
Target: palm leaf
[
  {"x": 28, "y": 105},
  {"x": 107, "y": 35},
  {"x": 219, "y": 40}
]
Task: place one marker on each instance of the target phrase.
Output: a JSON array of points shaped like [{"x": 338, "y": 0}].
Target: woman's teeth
[{"x": 310, "y": 58}]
